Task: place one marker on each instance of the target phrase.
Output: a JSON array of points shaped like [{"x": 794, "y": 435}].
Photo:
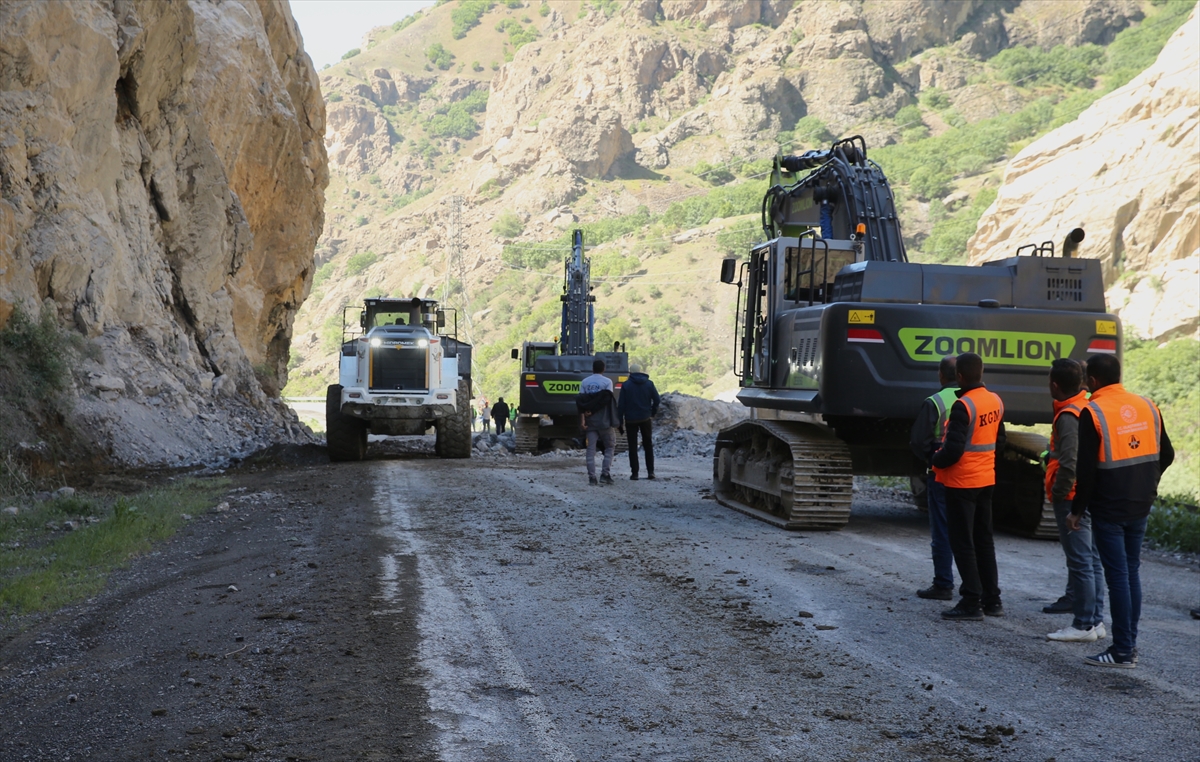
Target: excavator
[
  {"x": 551, "y": 370},
  {"x": 838, "y": 338}
]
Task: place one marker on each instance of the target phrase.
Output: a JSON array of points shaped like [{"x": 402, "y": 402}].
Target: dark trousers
[
  {"x": 969, "y": 516},
  {"x": 500, "y": 425},
  {"x": 1120, "y": 547},
  {"x": 631, "y": 436},
  {"x": 939, "y": 533}
]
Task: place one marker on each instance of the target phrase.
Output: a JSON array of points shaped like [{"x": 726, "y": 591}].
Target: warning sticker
[
  {"x": 862, "y": 317},
  {"x": 1106, "y": 327}
]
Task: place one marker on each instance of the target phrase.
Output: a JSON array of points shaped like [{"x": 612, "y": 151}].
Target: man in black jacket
[
  {"x": 1123, "y": 450},
  {"x": 637, "y": 406},
  {"x": 500, "y": 414}
]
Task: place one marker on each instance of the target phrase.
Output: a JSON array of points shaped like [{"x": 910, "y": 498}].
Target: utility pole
[{"x": 455, "y": 267}]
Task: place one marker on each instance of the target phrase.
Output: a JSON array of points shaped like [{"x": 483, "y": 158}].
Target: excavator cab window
[
  {"x": 810, "y": 268},
  {"x": 538, "y": 350}
]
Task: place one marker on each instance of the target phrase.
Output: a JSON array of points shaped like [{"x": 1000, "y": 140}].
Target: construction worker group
[{"x": 1108, "y": 448}]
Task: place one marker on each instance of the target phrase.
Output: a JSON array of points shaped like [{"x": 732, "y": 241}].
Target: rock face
[
  {"x": 162, "y": 170},
  {"x": 1125, "y": 171}
]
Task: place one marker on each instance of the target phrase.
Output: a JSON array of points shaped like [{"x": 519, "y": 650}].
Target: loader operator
[
  {"x": 927, "y": 432},
  {"x": 1123, "y": 450},
  {"x": 966, "y": 465}
]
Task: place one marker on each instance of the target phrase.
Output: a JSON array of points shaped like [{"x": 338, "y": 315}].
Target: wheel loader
[
  {"x": 401, "y": 373},
  {"x": 839, "y": 337}
]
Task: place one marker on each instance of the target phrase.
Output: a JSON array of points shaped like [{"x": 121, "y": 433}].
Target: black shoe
[
  {"x": 650, "y": 475},
  {"x": 961, "y": 613},
  {"x": 1063, "y": 605},
  {"x": 592, "y": 481},
  {"x": 993, "y": 609},
  {"x": 935, "y": 593},
  {"x": 633, "y": 477},
  {"x": 1195, "y": 613},
  {"x": 605, "y": 479}
]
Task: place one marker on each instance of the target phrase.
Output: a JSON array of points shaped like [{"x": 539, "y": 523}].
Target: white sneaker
[
  {"x": 1070, "y": 634},
  {"x": 1101, "y": 633}
]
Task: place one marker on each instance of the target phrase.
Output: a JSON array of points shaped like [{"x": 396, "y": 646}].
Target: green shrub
[
  {"x": 476, "y": 101},
  {"x": 455, "y": 123},
  {"x": 810, "y": 132},
  {"x": 544, "y": 9},
  {"x": 1062, "y": 65},
  {"x": 439, "y": 56},
  {"x": 351, "y": 53},
  {"x": 935, "y": 99},
  {"x": 736, "y": 240},
  {"x": 726, "y": 201},
  {"x": 322, "y": 274},
  {"x": 614, "y": 264},
  {"x": 1174, "y": 524},
  {"x": 947, "y": 242},
  {"x": 518, "y": 35},
  {"x": 466, "y": 16},
  {"x": 607, "y": 7},
  {"x": 333, "y": 97},
  {"x": 508, "y": 225},
  {"x": 406, "y": 22},
  {"x": 38, "y": 354},
  {"x": 713, "y": 175},
  {"x": 359, "y": 262},
  {"x": 908, "y": 116}
]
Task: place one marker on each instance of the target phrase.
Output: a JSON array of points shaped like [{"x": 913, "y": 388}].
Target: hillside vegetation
[{"x": 654, "y": 135}]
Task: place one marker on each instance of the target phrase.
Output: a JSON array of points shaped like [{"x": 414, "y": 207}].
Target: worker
[
  {"x": 500, "y": 414},
  {"x": 485, "y": 417},
  {"x": 636, "y": 407},
  {"x": 597, "y": 417},
  {"x": 965, "y": 465},
  {"x": 1085, "y": 575},
  {"x": 926, "y": 436},
  {"x": 1123, "y": 451}
]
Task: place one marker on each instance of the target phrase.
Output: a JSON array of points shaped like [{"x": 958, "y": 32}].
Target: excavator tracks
[
  {"x": 525, "y": 434},
  {"x": 790, "y": 474}
]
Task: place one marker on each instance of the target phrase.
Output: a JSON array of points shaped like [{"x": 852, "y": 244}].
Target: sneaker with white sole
[
  {"x": 1101, "y": 632},
  {"x": 1072, "y": 634},
  {"x": 1110, "y": 658}
]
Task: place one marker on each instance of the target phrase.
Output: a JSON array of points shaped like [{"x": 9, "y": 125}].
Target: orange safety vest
[
  {"x": 1073, "y": 406},
  {"x": 977, "y": 466},
  {"x": 1130, "y": 427}
]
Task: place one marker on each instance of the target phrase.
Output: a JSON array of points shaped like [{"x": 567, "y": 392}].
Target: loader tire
[
  {"x": 345, "y": 437},
  {"x": 454, "y": 433}
]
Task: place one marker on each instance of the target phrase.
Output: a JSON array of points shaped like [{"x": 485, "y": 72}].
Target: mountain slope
[{"x": 651, "y": 125}]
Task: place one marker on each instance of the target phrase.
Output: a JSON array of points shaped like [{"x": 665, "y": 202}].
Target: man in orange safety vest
[
  {"x": 1123, "y": 450},
  {"x": 966, "y": 465}
]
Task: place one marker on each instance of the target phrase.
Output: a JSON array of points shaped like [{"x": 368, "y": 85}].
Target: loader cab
[{"x": 381, "y": 312}]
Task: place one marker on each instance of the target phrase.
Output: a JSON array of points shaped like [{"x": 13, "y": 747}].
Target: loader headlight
[
  {"x": 376, "y": 342},
  {"x": 422, "y": 343}
]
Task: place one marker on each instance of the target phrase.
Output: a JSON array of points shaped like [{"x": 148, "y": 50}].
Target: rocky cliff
[
  {"x": 1126, "y": 171},
  {"x": 162, "y": 170}
]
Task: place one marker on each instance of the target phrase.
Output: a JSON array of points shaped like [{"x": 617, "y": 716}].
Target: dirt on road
[{"x": 408, "y": 608}]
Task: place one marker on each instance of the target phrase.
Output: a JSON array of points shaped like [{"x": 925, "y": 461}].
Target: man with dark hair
[
  {"x": 500, "y": 414},
  {"x": 1123, "y": 450},
  {"x": 1085, "y": 575},
  {"x": 637, "y": 406},
  {"x": 966, "y": 465},
  {"x": 926, "y": 436},
  {"x": 598, "y": 415}
]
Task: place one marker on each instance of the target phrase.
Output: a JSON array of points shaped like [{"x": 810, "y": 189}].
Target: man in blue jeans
[
  {"x": 1085, "y": 575},
  {"x": 925, "y": 438},
  {"x": 1123, "y": 450}
]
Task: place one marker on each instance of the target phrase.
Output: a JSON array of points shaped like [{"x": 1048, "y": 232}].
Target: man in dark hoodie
[{"x": 635, "y": 409}]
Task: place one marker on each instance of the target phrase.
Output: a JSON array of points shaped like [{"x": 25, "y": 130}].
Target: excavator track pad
[{"x": 790, "y": 474}]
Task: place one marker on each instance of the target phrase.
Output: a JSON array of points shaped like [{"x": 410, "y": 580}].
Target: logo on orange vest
[
  {"x": 987, "y": 419},
  {"x": 1128, "y": 414},
  {"x": 1134, "y": 443}
]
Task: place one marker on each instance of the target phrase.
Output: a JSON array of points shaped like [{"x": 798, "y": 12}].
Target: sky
[{"x": 331, "y": 27}]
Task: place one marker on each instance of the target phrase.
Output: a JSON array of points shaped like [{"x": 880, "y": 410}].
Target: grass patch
[
  {"x": 1174, "y": 525},
  {"x": 43, "y": 569}
]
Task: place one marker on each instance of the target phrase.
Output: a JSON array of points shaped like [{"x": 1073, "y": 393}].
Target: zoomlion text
[{"x": 996, "y": 347}]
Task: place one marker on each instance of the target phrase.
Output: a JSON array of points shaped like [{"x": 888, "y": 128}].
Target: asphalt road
[
  {"x": 500, "y": 610},
  {"x": 644, "y": 621}
]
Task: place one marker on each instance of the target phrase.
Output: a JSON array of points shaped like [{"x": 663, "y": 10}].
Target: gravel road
[{"x": 501, "y": 609}]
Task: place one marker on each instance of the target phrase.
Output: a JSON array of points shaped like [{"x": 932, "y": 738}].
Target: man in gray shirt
[
  {"x": 598, "y": 415},
  {"x": 1085, "y": 575}
]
